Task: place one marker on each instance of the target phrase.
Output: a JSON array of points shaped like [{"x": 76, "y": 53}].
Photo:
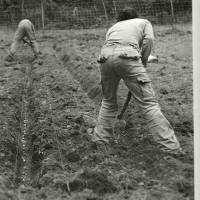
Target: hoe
[{"x": 151, "y": 59}]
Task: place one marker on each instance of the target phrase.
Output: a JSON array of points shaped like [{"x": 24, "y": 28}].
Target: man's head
[{"x": 127, "y": 13}]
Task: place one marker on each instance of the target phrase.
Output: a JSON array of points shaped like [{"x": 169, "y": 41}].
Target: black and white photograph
[{"x": 99, "y": 99}]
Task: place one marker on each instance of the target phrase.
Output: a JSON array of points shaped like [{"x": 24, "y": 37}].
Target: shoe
[
  {"x": 179, "y": 153},
  {"x": 98, "y": 145}
]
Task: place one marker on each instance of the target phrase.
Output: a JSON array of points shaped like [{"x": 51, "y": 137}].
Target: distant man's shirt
[{"x": 25, "y": 29}]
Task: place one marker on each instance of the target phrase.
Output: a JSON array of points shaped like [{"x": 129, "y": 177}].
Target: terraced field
[{"x": 47, "y": 105}]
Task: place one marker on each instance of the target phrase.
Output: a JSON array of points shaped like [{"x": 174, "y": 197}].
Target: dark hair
[{"x": 127, "y": 13}]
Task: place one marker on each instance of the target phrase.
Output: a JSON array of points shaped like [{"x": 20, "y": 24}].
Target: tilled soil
[{"x": 49, "y": 103}]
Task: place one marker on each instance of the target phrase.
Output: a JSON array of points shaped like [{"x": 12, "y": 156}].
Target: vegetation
[{"x": 92, "y": 13}]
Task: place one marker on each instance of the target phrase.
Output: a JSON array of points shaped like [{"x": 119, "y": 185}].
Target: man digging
[
  {"x": 124, "y": 55},
  {"x": 24, "y": 30}
]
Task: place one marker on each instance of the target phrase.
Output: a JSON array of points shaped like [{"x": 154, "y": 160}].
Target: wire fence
[{"x": 76, "y": 14}]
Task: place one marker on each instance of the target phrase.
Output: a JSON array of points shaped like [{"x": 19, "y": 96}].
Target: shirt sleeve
[
  {"x": 32, "y": 28},
  {"x": 148, "y": 30}
]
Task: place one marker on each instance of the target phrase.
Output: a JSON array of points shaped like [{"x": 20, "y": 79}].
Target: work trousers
[
  {"x": 136, "y": 79},
  {"x": 25, "y": 29}
]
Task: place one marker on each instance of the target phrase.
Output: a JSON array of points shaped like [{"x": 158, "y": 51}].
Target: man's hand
[
  {"x": 27, "y": 42},
  {"x": 152, "y": 59}
]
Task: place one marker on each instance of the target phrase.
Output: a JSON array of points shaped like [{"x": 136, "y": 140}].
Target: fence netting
[{"x": 75, "y": 14}]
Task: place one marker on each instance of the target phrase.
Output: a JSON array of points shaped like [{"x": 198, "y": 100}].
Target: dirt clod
[
  {"x": 96, "y": 181},
  {"x": 65, "y": 58},
  {"x": 73, "y": 157}
]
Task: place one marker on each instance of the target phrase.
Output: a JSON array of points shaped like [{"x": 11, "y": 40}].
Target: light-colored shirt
[
  {"x": 131, "y": 32},
  {"x": 25, "y": 29},
  {"x": 25, "y": 22},
  {"x": 128, "y": 39}
]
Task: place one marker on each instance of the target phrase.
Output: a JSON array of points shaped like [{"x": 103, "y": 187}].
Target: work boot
[
  {"x": 100, "y": 146},
  {"x": 179, "y": 153}
]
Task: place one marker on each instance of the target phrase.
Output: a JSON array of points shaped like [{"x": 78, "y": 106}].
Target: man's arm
[{"x": 147, "y": 43}]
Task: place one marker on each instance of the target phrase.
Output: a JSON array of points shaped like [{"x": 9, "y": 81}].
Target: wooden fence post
[
  {"x": 22, "y": 8},
  {"x": 105, "y": 12},
  {"x": 172, "y": 13},
  {"x": 115, "y": 8},
  {"x": 42, "y": 14}
]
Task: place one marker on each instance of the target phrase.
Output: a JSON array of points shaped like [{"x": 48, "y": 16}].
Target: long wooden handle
[{"x": 128, "y": 98}]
